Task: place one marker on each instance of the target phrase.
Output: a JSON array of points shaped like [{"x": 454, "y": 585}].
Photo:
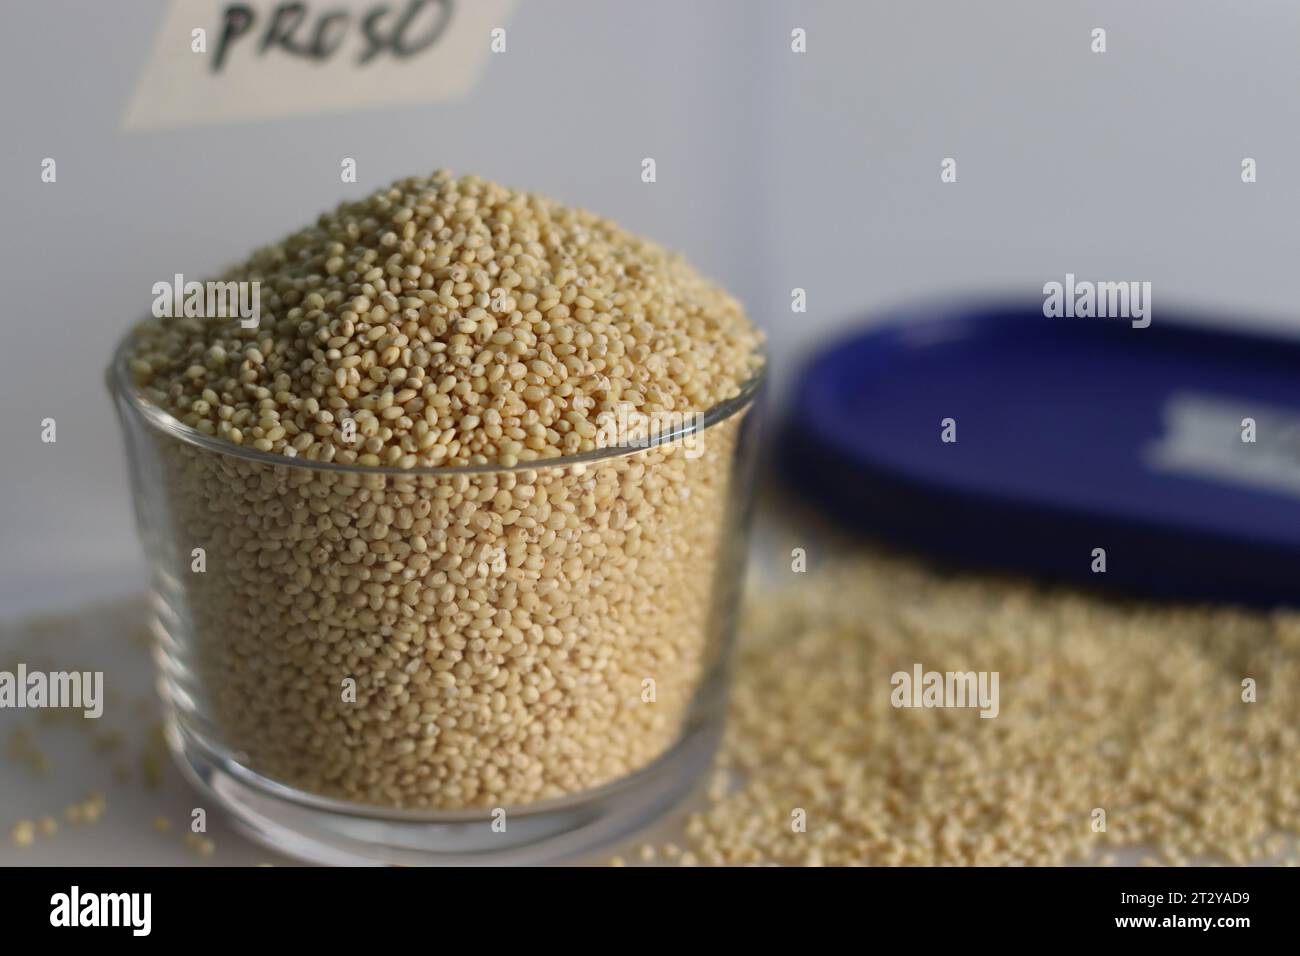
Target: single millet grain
[
  {"x": 23, "y": 833},
  {"x": 467, "y": 638},
  {"x": 1133, "y": 709}
]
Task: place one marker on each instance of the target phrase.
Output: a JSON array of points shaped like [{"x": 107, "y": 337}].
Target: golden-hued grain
[
  {"x": 462, "y": 638},
  {"x": 1133, "y": 709}
]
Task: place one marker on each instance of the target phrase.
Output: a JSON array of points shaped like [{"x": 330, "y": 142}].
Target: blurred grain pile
[{"x": 1132, "y": 709}]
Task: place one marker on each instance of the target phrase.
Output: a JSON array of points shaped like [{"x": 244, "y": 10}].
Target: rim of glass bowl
[{"x": 122, "y": 385}]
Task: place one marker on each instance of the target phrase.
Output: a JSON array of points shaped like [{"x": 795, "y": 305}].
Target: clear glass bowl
[{"x": 454, "y": 664}]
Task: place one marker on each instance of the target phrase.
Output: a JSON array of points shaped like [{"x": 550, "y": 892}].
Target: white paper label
[
  {"x": 215, "y": 61},
  {"x": 1204, "y": 438}
]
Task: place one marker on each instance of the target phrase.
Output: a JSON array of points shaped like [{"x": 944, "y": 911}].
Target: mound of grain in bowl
[
  {"x": 496, "y": 628},
  {"x": 1133, "y": 709}
]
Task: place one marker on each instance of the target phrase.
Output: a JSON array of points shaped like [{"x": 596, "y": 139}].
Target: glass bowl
[{"x": 477, "y": 664}]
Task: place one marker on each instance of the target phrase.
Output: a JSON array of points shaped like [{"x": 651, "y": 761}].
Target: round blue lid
[{"x": 1163, "y": 459}]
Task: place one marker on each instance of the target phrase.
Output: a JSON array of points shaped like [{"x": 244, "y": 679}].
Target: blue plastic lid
[{"x": 1173, "y": 449}]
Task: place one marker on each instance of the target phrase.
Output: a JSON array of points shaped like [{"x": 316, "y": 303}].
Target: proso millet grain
[
  {"x": 455, "y": 322},
  {"x": 501, "y": 627},
  {"x": 1134, "y": 709},
  {"x": 23, "y": 833}
]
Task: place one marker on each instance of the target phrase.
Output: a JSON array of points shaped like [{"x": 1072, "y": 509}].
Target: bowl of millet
[{"x": 422, "y": 593}]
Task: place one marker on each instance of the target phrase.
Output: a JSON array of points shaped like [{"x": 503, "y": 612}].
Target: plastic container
[
  {"x": 459, "y": 665},
  {"x": 984, "y": 433}
]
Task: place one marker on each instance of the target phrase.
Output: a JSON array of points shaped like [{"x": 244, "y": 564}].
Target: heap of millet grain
[
  {"x": 455, "y": 322},
  {"x": 1134, "y": 709},
  {"x": 499, "y": 625}
]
